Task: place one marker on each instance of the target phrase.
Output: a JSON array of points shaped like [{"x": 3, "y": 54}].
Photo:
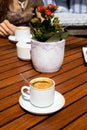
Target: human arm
[{"x": 6, "y": 28}]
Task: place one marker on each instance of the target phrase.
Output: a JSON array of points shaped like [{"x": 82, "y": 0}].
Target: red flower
[
  {"x": 40, "y": 8},
  {"x": 52, "y": 7},
  {"x": 48, "y": 12}
]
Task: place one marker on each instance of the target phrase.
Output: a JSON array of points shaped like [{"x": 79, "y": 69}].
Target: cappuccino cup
[
  {"x": 22, "y": 33},
  {"x": 40, "y": 92}
]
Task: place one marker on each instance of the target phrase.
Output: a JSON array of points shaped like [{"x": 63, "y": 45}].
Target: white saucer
[
  {"x": 84, "y": 49},
  {"x": 12, "y": 38},
  {"x": 59, "y": 102}
]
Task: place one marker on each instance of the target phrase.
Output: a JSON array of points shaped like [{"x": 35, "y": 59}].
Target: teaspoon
[{"x": 24, "y": 78}]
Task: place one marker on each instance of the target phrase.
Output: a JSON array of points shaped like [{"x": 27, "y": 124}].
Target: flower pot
[{"x": 47, "y": 57}]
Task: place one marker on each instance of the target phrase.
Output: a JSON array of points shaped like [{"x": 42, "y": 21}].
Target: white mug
[
  {"x": 22, "y": 33},
  {"x": 40, "y": 92},
  {"x": 23, "y": 50}
]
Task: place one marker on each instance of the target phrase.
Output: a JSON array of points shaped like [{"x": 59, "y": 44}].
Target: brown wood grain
[
  {"x": 71, "y": 81},
  {"x": 62, "y": 118}
]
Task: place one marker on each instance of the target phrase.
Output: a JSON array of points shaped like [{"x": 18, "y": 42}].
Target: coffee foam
[{"x": 42, "y": 83}]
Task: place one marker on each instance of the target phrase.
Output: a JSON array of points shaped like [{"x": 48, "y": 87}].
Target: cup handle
[{"x": 26, "y": 95}]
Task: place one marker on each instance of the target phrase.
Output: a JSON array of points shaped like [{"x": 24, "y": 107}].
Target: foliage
[{"x": 48, "y": 26}]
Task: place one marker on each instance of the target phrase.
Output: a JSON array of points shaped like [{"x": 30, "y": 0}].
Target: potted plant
[{"x": 47, "y": 45}]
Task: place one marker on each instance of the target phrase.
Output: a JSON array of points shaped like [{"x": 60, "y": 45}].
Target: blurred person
[{"x": 16, "y": 13}]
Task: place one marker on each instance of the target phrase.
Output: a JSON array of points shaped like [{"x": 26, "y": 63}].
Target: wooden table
[{"x": 71, "y": 82}]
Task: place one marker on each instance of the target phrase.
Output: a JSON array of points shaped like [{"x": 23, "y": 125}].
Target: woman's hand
[{"x": 6, "y": 28}]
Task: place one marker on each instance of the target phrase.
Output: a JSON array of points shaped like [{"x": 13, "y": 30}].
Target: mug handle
[{"x": 26, "y": 95}]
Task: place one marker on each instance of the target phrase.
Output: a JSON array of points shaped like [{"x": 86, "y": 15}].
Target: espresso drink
[{"x": 42, "y": 83}]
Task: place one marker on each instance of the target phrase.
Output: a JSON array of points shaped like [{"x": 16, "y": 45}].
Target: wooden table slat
[{"x": 71, "y": 81}]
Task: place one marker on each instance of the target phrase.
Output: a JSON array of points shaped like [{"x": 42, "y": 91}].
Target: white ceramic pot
[
  {"x": 23, "y": 50},
  {"x": 47, "y": 57}
]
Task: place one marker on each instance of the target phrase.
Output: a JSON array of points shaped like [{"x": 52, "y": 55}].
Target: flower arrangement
[{"x": 47, "y": 26}]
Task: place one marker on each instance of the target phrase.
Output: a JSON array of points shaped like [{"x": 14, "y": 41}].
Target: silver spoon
[{"x": 24, "y": 78}]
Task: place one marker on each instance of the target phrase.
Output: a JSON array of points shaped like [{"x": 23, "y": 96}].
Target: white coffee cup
[
  {"x": 23, "y": 50},
  {"x": 40, "y": 92},
  {"x": 22, "y": 33}
]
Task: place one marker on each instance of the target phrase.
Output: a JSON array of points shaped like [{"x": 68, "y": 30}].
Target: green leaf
[{"x": 64, "y": 35}]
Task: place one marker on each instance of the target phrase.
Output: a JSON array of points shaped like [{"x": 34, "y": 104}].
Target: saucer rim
[
  {"x": 37, "y": 109},
  {"x": 12, "y": 38}
]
